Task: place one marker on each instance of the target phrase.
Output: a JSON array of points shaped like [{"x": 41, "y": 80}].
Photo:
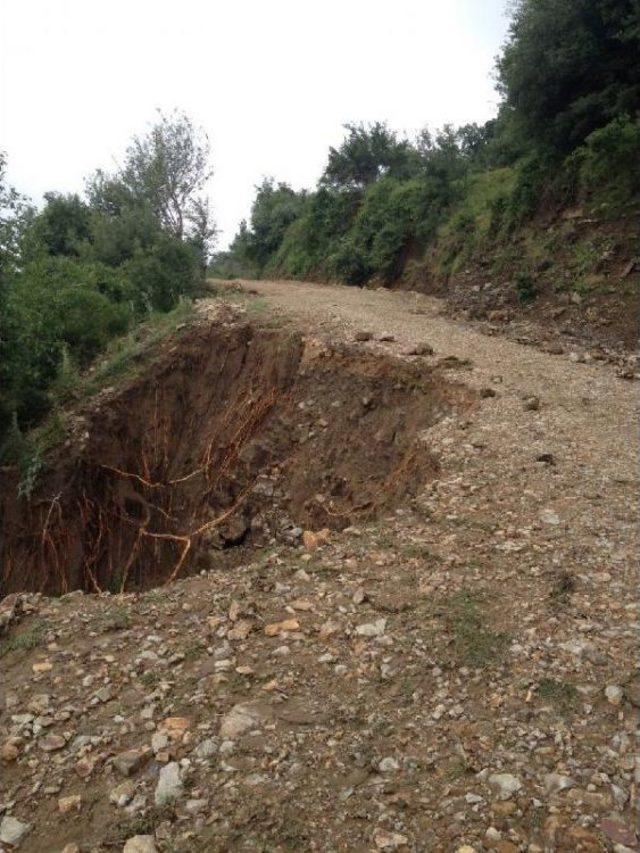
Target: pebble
[
  {"x": 12, "y": 830},
  {"x": 240, "y": 719},
  {"x": 614, "y": 694},
  {"x": 372, "y": 629},
  {"x": 170, "y": 786},
  {"x": 505, "y": 784},
  {"x": 140, "y": 844}
]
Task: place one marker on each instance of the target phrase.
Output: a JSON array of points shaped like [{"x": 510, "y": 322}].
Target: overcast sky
[{"x": 271, "y": 81}]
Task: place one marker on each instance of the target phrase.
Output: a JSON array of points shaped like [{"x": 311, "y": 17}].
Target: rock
[
  {"x": 129, "y": 762},
  {"x": 169, "y": 787},
  {"x": 122, "y": 794},
  {"x": 372, "y": 629},
  {"x": 42, "y": 666},
  {"x": 549, "y": 516},
  {"x": 196, "y": 806},
  {"x": 10, "y": 751},
  {"x": 555, "y": 782},
  {"x": 140, "y": 844},
  {"x": 72, "y": 803},
  {"x": 389, "y": 840},
  {"x": 240, "y": 719},
  {"x": 12, "y": 830},
  {"x": 363, "y": 335},
  {"x": 174, "y": 727},
  {"x": 388, "y": 765},
  {"x": 51, "y": 743},
  {"x": 387, "y": 337},
  {"x": 486, "y": 393},
  {"x": 531, "y": 404},
  {"x": 632, "y": 691},
  {"x": 505, "y": 784},
  {"x": 422, "y": 349},
  {"x": 206, "y": 749},
  {"x": 70, "y": 848},
  {"x": 614, "y": 694},
  {"x": 277, "y": 628}
]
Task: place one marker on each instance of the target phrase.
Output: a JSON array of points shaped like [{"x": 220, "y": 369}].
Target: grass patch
[
  {"x": 118, "y": 619},
  {"x": 474, "y": 644},
  {"x": 560, "y": 694},
  {"x": 27, "y": 640}
]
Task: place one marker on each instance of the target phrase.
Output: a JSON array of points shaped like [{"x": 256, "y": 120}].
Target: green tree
[
  {"x": 367, "y": 153},
  {"x": 570, "y": 67}
]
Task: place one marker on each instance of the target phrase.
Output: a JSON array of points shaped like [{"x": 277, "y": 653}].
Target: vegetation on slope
[
  {"x": 85, "y": 270},
  {"x": 568, "y": 131}
]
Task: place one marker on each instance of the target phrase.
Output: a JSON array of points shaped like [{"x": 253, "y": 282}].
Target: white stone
[
  {"x": 140, "y": 844},
  {"x": 240, "y": 719},
  {"x": 505, "y": 784},
  {"x": 169, "y": 787},
  {"x": 12, "y": 830},
  {"x": 372, "y": 629}
]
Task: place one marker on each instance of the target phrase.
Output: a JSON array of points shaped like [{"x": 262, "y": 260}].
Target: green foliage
[
  {"x": 525, "y": 287},
  {"x": 80, "y": 273},
  {"x": 570, "y": 67},
  {"x": 368, "y": 153},
  {"x": 609, "y": 160}
]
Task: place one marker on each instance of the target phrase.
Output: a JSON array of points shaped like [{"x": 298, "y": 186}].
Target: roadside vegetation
[
  {"x": 80, "y": 276},
  {"x": 567, "y": 133}
]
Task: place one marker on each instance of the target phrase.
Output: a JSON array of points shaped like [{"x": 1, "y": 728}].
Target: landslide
[{"x": 241, "y": 433}]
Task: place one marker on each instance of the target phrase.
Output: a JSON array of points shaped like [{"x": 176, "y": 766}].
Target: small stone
[
  {"x": 387, "y": 337},
  {"x": 70, "y": 848},
  {"x": 548, "y": 516},
  {"x": 614, "y": 694},
  {"x": 555, "y": 782},
  {"x": 140, "y": 844},
  {"x": 169, "y": 787},
  {"x": 72, "y": 803},
  {"x": 12, "y": 830},
  {"x": 372, "y": 629},
  {"x": 122, "y": 794},
  {"x": 389, "y": 840},
  {"x": 531, "y": 404},
  {"x": 129, "y": 762},
  {"x": 363, "y": 335},
  {"x": 422, "y": 349},
  {"x": 277, "y": 628},
  {"x": 51, "y": 743},
  {"x": 43, "y": 666},
  {"x": 196, "y": 806},
  {"x": 206, "y": 748},
  {"x": 10, "y": 751},
  {"x": 505, "y": 784},
  {"x": 388, "y": 765},
  {"x": 240, "y": 719}
]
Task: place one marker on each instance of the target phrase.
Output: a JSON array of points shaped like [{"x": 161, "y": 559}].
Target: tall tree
[{"x": 571, "y": 66}]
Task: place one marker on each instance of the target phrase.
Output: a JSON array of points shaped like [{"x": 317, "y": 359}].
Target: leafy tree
[
  {"x": 367, "y": 153},
  {"x": 61, "y": 227},
  {"x": 275, "y": 207},
  {"x": 570, "y": 67},
  {"x": 166, "y": 170}
]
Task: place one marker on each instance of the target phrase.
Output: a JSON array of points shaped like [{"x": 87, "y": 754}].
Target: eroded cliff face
[{"x": 238, "y": 434}]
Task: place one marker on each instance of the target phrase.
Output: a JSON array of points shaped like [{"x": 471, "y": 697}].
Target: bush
[
  {"x": 610, "y": 159},
  {"x": 525, "y": 287}
]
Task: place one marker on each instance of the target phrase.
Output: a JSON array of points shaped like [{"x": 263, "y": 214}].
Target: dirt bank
[{"x": 238, "y": 435}]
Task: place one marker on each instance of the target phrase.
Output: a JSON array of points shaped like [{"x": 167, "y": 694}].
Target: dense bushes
[{"x": 79, "y": 273}]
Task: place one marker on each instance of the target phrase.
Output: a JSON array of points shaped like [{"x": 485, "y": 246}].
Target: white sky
[{"x": 271, "y": 81}]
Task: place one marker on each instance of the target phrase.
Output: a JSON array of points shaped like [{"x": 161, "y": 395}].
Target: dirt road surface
[{"x": 459, "y": 675}]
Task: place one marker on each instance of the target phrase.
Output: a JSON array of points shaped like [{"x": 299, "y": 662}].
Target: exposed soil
[
  {"x": 585, "y": 293},
  {"x": 457, "y": 672},
  {"x": 238, "y": 435}
]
